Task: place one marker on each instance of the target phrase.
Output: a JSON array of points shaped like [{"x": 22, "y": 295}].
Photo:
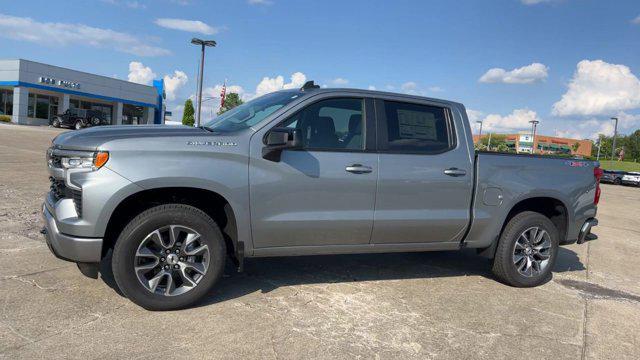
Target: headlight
[{"x": 93, "y": 162}]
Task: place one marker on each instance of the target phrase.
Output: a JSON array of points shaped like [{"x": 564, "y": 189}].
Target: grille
[
  {"x": 60, "y": 191},
  {"x": 76, "y": 195}
]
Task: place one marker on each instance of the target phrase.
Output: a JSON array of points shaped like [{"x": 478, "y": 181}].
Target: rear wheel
[
  {"x": 78, "y": 125},
  {"x": 526, "y": 251},
  {"x": 55, "y": 123},
  {"x": 617, "y": 181},
  {"x": 168, "y": 257},
  {"x": 95, "y": 121}
]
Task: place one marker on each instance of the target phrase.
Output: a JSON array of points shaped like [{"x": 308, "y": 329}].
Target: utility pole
[
  {"x": 599, "y": 146},
  {"x": 615, "y": 135},
  {"x": 203, "y": 44},
  {"x": 534, "y": 125},
  {"x": 489, "y": 143}
]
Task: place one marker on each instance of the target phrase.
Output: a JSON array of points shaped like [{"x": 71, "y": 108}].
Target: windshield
[{"x": 251, "y": 113}]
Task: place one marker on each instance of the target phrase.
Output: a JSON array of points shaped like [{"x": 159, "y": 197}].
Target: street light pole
[
  {"x": 480, "y": 133},
  {"x": 534, "y": 125},
  {"x": 203, "y": 44},
  {"x": 615, "y": 134},
  {"x": 599, "y": 146}
]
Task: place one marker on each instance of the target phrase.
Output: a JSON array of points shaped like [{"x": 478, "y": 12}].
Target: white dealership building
[{"x": 33, "y": 93}]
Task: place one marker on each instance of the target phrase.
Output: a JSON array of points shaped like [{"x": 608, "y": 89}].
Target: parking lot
[{"x": 417, "y": 305}]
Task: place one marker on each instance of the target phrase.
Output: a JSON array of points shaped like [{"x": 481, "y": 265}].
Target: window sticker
[{"x": 416, "y": 125}]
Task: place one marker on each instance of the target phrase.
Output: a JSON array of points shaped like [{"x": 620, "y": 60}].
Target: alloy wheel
[
  {"x": 532, "y": 251},
  {"x": 171, "y": 260}
]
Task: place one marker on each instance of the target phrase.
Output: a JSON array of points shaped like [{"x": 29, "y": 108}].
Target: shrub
[{"x": 5, "y": 118}]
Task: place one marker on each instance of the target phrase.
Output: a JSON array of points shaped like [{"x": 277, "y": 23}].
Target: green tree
[
  {"x": 188, "y": 114},
  {"x": 575, "y": 147},
  {"x": 498, "y": 143},
  {"x": 231, "y": 100}
]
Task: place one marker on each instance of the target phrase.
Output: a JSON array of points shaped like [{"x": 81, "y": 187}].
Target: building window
[
  {"x": 105, "y": 109},
  {"x": 6, "y": 102},
  {"x": 132, "y": 115},
  {"x": 42, "y": 106}
]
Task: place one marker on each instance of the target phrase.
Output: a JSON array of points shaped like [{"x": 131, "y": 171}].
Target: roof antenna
[{"x": 309, "y": 85}]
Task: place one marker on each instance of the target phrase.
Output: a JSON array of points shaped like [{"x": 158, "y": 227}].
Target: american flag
[{"x": 223, "y": 93}]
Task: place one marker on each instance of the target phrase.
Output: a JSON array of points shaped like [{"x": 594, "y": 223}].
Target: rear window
[{"x": 416, "y": 128}]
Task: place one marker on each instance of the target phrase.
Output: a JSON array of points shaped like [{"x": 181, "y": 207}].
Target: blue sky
[{"x": 569, "y": 63}]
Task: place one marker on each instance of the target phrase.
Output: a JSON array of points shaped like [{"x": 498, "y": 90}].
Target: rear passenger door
[{"x": 425, "y": 174}]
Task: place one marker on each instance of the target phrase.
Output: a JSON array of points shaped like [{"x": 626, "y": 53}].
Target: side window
[
  {"x": 330, "y": 124},
  {"x": 416, "y": 128}
]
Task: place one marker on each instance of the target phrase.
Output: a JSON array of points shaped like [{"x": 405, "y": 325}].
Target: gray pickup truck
[{"x": 305, "y": 172}]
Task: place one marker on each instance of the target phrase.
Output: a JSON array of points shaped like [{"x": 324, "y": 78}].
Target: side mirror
[{"x": 279, "y": 139}]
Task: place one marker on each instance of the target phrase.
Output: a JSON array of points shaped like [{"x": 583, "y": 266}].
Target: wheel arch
[
  {"x": 212, "y": 203},
  {"x": 548, "y": 205},
  {"x": 551, "y": 207}
]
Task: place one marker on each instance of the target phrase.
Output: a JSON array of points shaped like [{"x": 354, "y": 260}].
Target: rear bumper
[
  {"x": 70, "y": 248},
  {"x": 585, "y": 231}
]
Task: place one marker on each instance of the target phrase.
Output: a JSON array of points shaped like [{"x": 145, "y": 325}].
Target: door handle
[
  {"x": 455, "y": 172},
  {"x": 358, "y": 169}
]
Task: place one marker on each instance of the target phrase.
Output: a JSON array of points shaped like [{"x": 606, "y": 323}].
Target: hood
[{"x": 92, "y": 138}]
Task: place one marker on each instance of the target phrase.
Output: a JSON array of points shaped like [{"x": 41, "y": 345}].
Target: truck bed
[{"x": 504, "y": 180}]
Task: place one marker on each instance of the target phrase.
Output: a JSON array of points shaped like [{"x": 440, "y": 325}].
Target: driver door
[{"x": 324, "y": 193}]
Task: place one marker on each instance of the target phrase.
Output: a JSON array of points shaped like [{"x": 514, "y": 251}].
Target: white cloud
[
  {"x": 339, "y": 81},
  {"x": 260, "y": 2},
  {"x": 174, "y": 82},
  {"x": 268, "y": 84},
  {"x": 194, "y": 26},
  {"x": 62, "y": 34},
  {"x": 517, "y": 120},
  {"x": 435, "y": 89},
  {"x": 636, "y": 20},
  {"x": 523, "y": 75},
  {"x": 474, "y": 115},
  {"x": 138, "y": 73},
  {"x": 535, "y": 2},
  {"x": 371, "y": 87},
  {"x": 409, "y": 86},
  {"x": 135, "y": 5},
  {"x": 599, "y": 88}
]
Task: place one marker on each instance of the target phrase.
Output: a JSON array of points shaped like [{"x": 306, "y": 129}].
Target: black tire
[
  {"x": 95, "y": 121},
  {"x": 617, "y": 181},
  {"x": 55, "y": 123},
  {"x": 134, "y": 233},
  {"x": 78, "y": 125},
  {"x": 503, "y": 263}
]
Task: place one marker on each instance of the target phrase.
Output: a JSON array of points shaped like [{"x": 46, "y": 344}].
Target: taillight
[{"x": 597, "y": 173}]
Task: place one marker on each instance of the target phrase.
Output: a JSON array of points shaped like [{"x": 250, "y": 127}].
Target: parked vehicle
[
  {"x": 79, "y": 118},
  {"x": 631, "y": 178},
  {"x": 612, "y": 177},
  {"x": 306, "y": 172}
]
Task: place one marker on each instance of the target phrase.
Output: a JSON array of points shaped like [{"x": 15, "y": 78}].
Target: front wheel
[
  {"x": 526, "y": 251},
  {"x": 168, "y": 257},
  {"x": 55, "y": 123},
  {"x": 78, "y": 125},
  {"x": 617, "y": 181}
]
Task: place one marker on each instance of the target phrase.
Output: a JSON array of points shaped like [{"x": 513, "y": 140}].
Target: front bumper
[{"x": 70, "y": 248}]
